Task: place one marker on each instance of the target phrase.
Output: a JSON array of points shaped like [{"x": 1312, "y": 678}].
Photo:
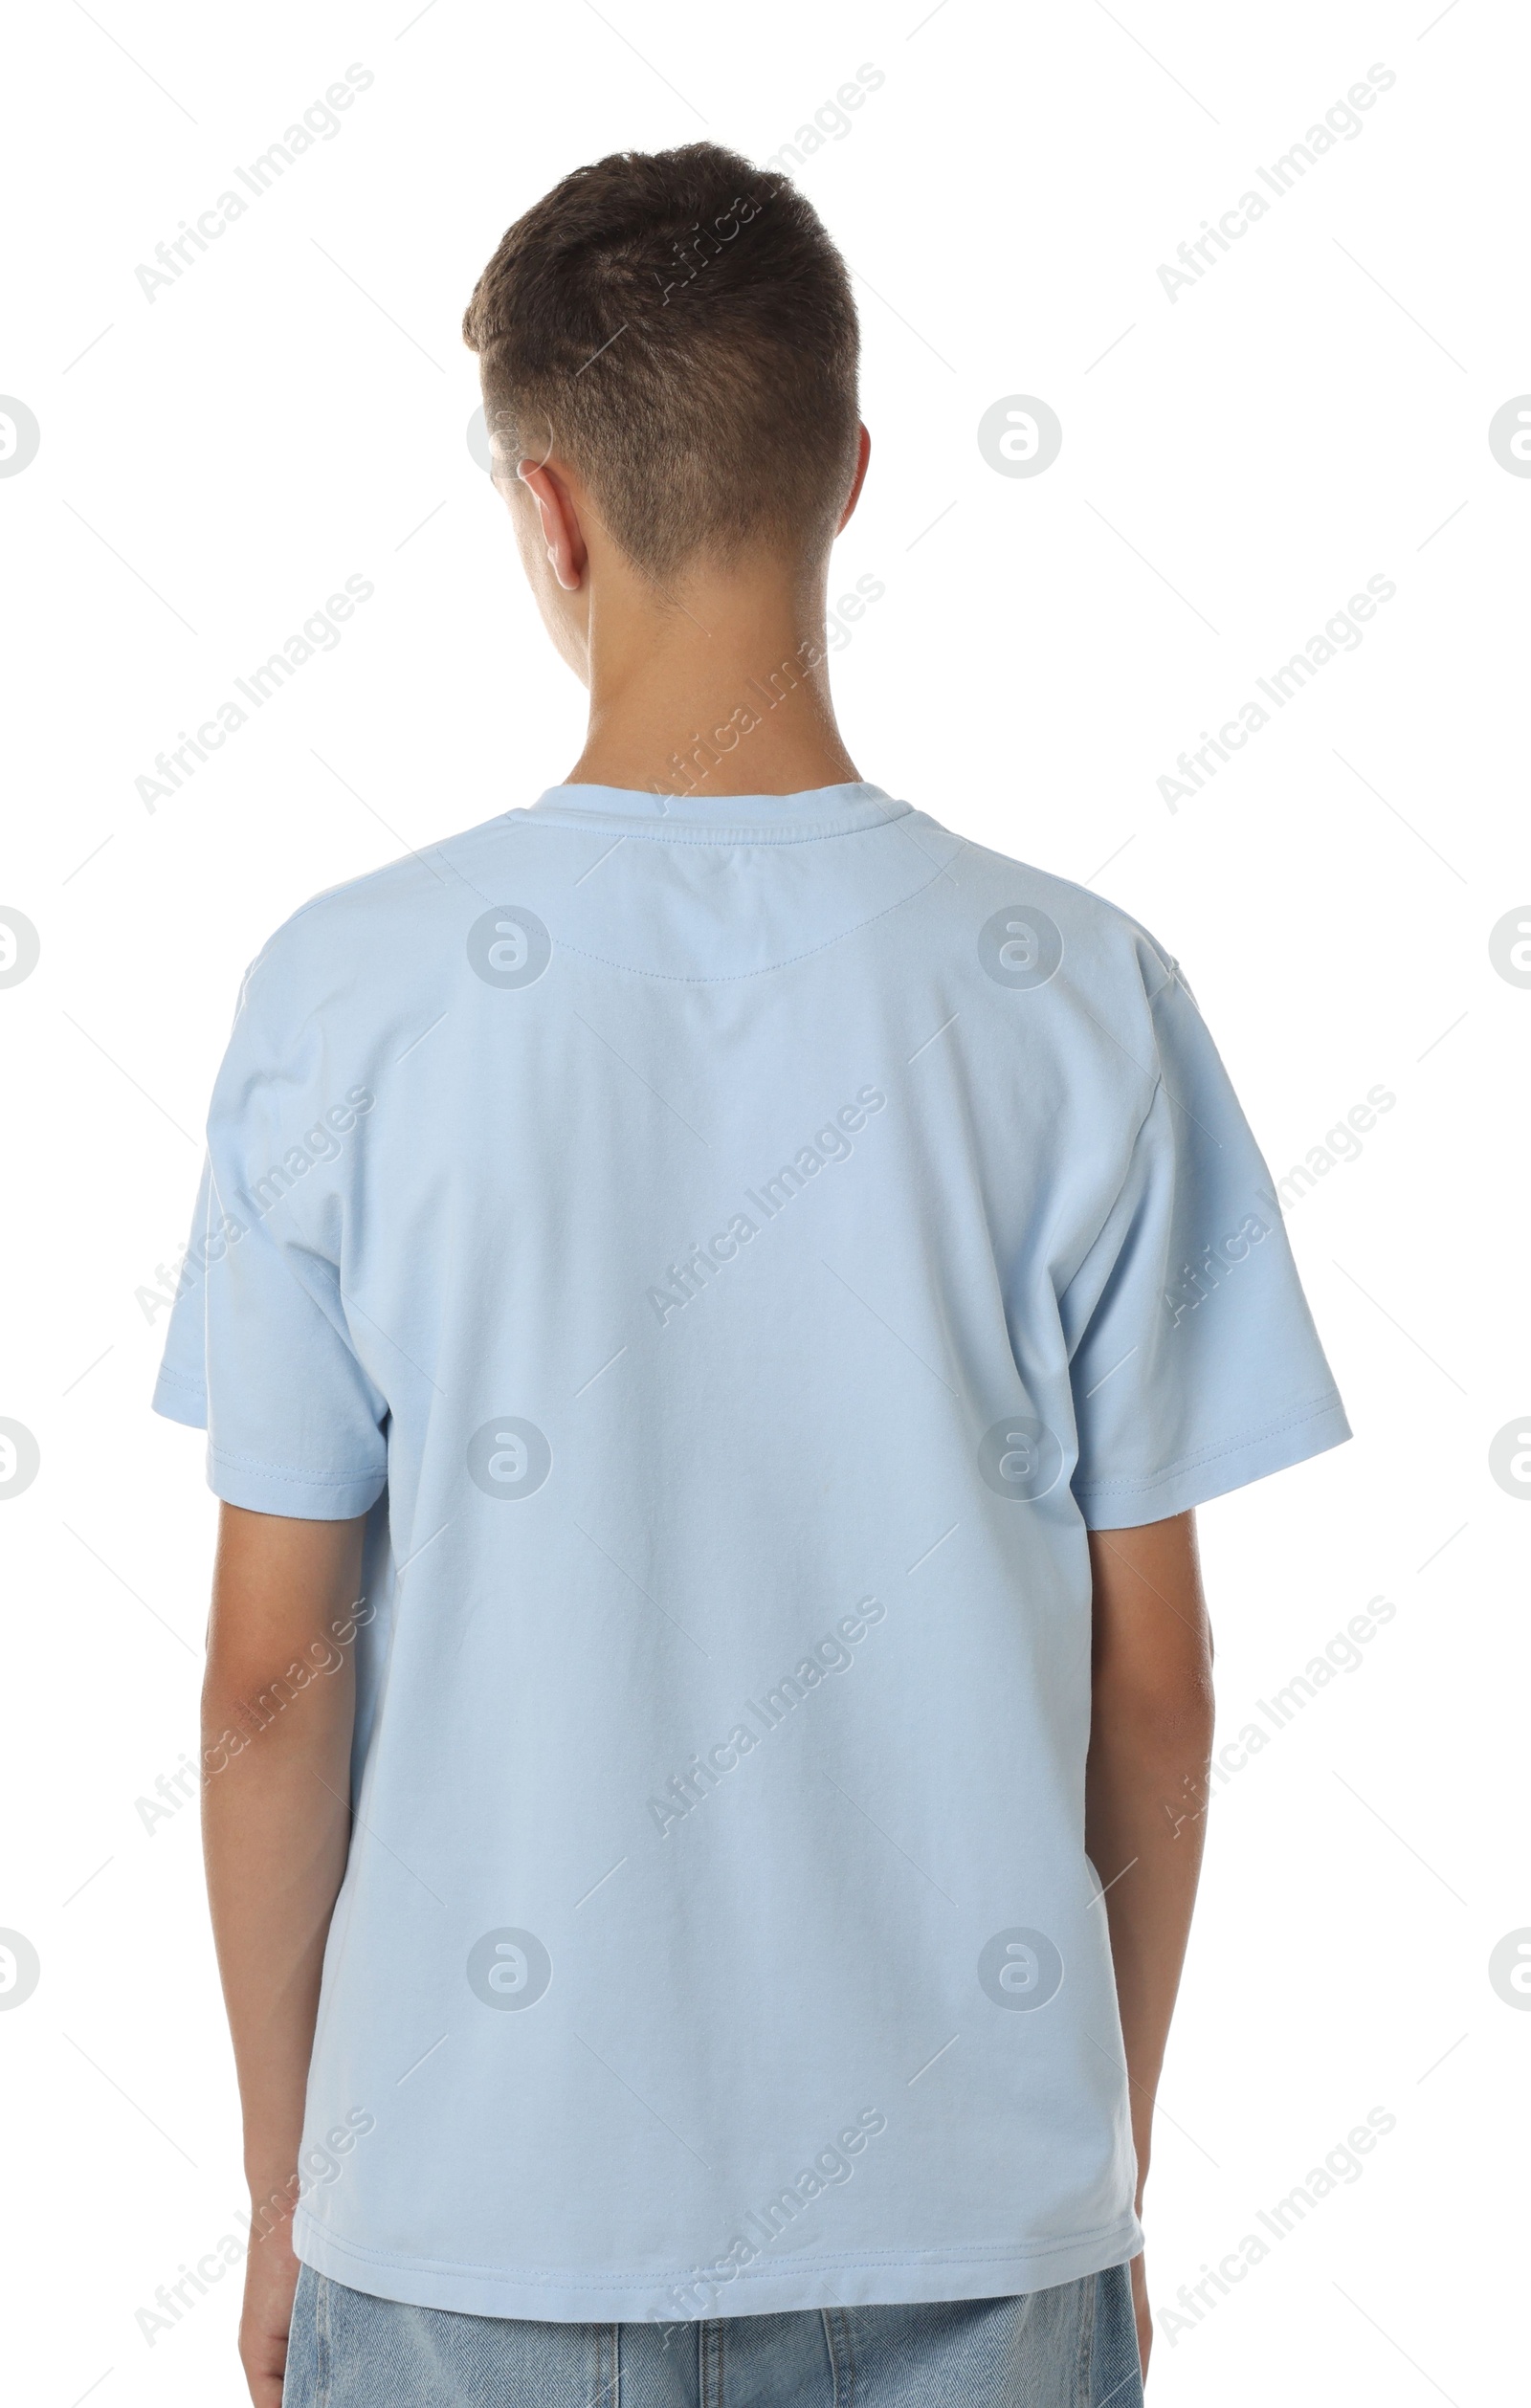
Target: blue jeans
[{"x": 1073, "y": 2347}]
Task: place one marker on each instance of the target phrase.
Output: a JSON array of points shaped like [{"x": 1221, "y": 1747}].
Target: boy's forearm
[
  {"x": 275, "y": 1837},
  {"x": 1151, "y": 1736},
  {"x": 1136, "y": 1795},
  {"x": 279, "y": 1706}
]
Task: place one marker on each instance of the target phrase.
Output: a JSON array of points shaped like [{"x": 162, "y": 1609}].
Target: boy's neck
[{"x": 722, "y": 690}]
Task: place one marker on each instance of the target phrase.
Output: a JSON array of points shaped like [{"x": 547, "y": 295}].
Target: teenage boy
[{"x": 712, "y": 1302}]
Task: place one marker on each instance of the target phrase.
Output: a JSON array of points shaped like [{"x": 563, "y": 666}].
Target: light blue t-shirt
[{"x": 732, "y": 1251}]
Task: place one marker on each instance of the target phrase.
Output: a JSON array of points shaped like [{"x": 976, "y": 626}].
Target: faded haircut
[{"x": 679, "y": 328}]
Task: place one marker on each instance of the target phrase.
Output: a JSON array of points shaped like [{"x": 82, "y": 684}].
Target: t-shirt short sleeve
[
  {"x": 258, "y": 1351},
  {"x": 1195, "y": 1366}
]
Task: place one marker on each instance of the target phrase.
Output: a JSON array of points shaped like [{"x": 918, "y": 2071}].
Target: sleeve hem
[
  {"x": 1129, "y": 1504},
  {"x": 306, "y": 1496}
]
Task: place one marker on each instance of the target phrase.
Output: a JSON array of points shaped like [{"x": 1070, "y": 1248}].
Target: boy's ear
[
  {"x": 863, "y": 453},
  {"x": 560, "y": 525}
]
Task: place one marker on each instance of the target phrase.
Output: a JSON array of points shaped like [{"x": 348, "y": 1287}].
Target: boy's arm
[
  {"x": 1146, "y": 1788},
  {"x": 277, "y": 1707}
]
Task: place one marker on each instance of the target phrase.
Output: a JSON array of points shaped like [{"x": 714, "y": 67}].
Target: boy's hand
[
  {"x": 271, "y": 2278},
  {"x": 1139, "y": 2310}
]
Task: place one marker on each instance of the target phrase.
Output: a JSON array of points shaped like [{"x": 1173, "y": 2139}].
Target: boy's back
[{"x": 753, "y": 1239}]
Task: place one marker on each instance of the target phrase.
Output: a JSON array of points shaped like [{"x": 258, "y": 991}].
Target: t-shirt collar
[{"x": 836, "y": 810}]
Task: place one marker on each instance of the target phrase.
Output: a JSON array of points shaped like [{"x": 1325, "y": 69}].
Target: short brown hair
[{"x": 679, "y": 324}]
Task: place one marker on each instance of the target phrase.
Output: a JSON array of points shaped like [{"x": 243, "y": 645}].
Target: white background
[{"x": 1236, "y": 462}]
